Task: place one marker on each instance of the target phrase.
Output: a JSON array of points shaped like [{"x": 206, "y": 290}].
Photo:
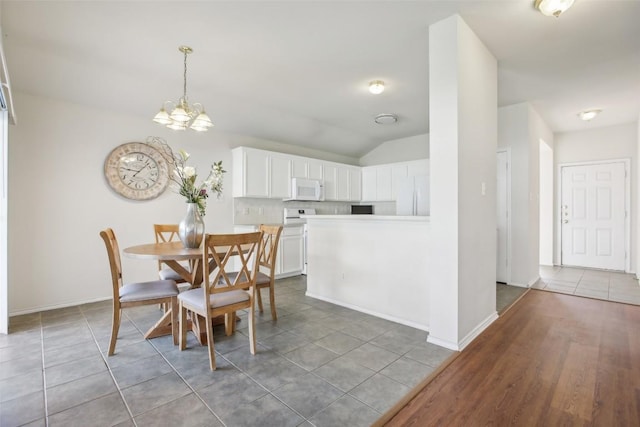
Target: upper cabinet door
[
  {"x": 369, "y": 184},
  {"x": 280, "y": 177},
  {"x": 383, "y": 183},
  {"x": 355, "y": 184},
  {"x": 299, "y": 168},
  {"x": 256, "y": 174},
  {"x": 342, "y": 183},
  {"x": 330, "y": 183},
  {"x": 315, "y": 170}
]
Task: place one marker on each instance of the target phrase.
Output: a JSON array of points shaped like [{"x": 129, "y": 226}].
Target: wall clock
[{"x": 137, "y": 171}]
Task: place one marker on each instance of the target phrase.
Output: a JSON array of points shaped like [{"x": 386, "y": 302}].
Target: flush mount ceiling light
[
  {"x": 386, "y": 119},
  {"x": 553, "y": 7},
  {"x": 376, "y": 87},
  {"x": 182, "y": 115},
  {"x": 588, "y": 114}
]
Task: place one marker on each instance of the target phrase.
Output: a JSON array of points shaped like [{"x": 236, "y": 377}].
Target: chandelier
[{"x": 182, "y": 115}]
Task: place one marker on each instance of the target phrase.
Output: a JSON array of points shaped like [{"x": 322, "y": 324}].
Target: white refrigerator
[{"x": 412, "y": 196}]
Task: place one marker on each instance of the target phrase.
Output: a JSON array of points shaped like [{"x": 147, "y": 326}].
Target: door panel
[{"x": 593, "y": 215}]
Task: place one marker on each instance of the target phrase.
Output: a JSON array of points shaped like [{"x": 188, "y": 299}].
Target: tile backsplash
[{"x": 247, "y": 211}]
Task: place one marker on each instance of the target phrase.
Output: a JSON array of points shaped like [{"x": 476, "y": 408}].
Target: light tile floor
[
  {"x": 319, "y": 364},
  {"x": 600, "y": 284}
]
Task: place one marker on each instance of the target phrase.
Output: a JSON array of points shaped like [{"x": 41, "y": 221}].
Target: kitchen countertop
[{"x": 368, "y": 217}]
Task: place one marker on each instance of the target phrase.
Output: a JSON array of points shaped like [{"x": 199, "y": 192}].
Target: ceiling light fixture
[
  {"x": 376, "y": 87},
  {"x": 182, "y": 115},
  {"x": 386, "y": 119},
  {"x": 587, "y": 115},
  {"x": 553, "y": 7}
]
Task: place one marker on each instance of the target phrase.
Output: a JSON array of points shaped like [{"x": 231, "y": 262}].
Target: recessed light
[
  {"x": 376, "y": 87},
  {"x": 588, "y": 114},
  {"x": 553, "y": 7},
  {"x": 386, "y": 119}
]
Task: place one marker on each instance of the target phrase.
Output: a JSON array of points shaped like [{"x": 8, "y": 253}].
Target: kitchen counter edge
[{"x": 367, "y": 217}]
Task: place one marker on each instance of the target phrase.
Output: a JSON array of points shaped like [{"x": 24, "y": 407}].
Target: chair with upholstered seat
[
  {"x": 168, "y": 233},
  {"x": 136, "y": 294},
  {"x": 266, "y": 274},
  {"x": 224, "y": 291}
]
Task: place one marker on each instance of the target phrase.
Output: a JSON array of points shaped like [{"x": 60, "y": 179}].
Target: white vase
[{"x": 191, "y": 228}]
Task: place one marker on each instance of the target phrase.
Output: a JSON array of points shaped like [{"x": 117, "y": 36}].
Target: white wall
[
  {"x": 521, "y": 129},
  {"x": 398, "y": 150},
  {"x": 546, "y": 204},
  {"x": 607, "y": 143},
  {"x": 463, "y": 143},
  {"x": 59, "y": 199}
]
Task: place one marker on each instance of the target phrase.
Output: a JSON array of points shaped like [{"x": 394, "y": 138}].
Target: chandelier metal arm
[{"x": 181, "y": 115}]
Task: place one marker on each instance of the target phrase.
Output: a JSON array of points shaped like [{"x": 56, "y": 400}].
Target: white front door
[
  {"x": 502, "y": 231},
  {"x": 593, "y": 215}
]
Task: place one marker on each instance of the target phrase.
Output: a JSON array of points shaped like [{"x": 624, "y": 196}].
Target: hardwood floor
[{"x": 552, "y": 359}]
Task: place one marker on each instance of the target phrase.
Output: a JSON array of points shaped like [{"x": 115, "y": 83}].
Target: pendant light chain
[{"x": 186, "y": 52}]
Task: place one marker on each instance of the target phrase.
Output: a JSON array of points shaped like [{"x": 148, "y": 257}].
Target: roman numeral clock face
[{"x": 137, "y": 171}]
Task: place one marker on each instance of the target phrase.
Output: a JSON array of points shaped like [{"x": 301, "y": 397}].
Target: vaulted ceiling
[{"x": 297, "y": 72}]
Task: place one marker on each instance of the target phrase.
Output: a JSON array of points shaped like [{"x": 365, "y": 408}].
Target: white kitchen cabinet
[
  {"x": 290, "y": 259},
  {"x": 279, "y": 177},
  {"x": 342, "y": 183},
  {"x": 290, "y": 256},
  {"x": 330, "y": 182},
  {"x": 355, "y": 184},
  {"x": 369, "y": 183},
  {"x": 260, "y": 174},
  {"x": 381, "y": 183},
  {"x": 302, "y": 167}
]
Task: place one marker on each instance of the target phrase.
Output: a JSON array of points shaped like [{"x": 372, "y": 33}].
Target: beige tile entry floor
[
  {"x": 319, "y": 364},
  {"x": 599, "y": 284}
]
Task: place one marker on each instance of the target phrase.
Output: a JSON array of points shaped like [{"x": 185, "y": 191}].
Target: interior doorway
[
  {"x": 503, "y": 190},
  {"x": 546, "y": 204}
]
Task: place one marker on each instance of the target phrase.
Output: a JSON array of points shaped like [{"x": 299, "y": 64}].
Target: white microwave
[{"x": 306, "y": 189}]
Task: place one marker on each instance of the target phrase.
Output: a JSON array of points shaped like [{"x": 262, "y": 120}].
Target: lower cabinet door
[{"x": 291, "y": 252}]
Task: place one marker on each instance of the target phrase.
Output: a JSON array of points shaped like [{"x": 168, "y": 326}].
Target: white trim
[
  {"x": 468, "y": 338},
  {"x": 627, "y": 207},
  {"x": 4, "y": 221},
  {"x": 478, "y": 330},
  {"x": 58, "y": 306},
  {"x": 507, "y": 150},
  {"x": 371, "y": 312}
]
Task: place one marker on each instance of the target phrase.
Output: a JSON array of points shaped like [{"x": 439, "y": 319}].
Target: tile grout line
[
  {"x": 194, "y": 391},
  {"x": 44, "y": 376},
  {"x": 104, "y": 358}
]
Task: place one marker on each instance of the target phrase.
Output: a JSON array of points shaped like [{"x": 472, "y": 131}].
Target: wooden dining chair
[
  {"x": 136, "y": 294},
  {"x": 168, "y": 233},
  {"x": 222, "y": 292},
  {"x": 266, "y": 274}
]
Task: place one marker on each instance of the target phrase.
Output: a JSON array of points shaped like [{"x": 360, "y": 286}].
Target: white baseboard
[
  {"x": 55, "y": 307},
  {"x": 459, "y": 346},
  {"x": 478, "y": 330},
  {"x": 371, "y": 312}
]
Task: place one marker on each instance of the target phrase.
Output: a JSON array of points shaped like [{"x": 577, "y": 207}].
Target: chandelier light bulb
[{"x": 376, "y": 87}]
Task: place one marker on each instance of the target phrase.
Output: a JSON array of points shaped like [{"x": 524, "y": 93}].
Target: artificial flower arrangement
[{"x": 184, "y": 178}]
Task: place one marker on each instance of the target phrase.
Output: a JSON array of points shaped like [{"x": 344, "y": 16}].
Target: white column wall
[
  {"x": 463, "y": 138},
  {"x": 521, "y": 128}
]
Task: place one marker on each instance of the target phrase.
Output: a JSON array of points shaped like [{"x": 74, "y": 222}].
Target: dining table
[{"x": 171, "y": 254}]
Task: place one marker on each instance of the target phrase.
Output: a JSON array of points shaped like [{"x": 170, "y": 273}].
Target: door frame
[
  {"x": 507, "y": 150},
  {"x": 627, "y": 206}
]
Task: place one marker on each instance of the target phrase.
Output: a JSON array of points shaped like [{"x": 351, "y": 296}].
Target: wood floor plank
[{"x": 552, "y": 359}]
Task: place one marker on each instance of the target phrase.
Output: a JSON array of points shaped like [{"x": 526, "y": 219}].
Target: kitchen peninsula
[{"x": 375, "y": 264}]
